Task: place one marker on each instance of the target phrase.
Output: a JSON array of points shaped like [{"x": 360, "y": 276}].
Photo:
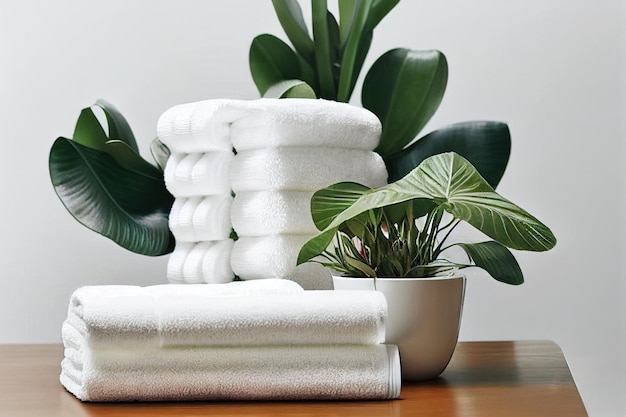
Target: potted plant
[{"x": 396, "y": 239}]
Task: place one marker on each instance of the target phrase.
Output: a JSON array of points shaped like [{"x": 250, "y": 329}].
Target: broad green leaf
[
  {"x": 323, "y": 49},
  {"x": 88, "y": 131},
  {"x": 160, "y": 152},
  {"x": 352, "y": 50},
  {"x": 290, "y": 89},
  {"x": 118, "y": 126},
  {"x": 346, "y": 15},
  {"x": 496, "y": 259},
  {"x": 380, "y": 9},
  {"x": 271, "y": 61},
  {"x": 328, "y": 202},
  {"x": 129, "y": 159},
  {"x": 486, "y": 145},
  {"x": 126, "y": 206},
  {"x": 454, "y": 184},
  {"x": 361, "y": 266},
  {"x": 290, "y": 17},
  {"x": 404, "y": 89},
  {"x": 316, "y": 245}
]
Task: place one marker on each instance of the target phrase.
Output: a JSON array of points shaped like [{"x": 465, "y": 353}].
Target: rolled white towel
[
  {"x": 305, "y": 122},
  {"x": 144, "y": 318},
  {"x": 201, "y": 262},
  {"x": 206, "y": 125},
  {"x": 201, "y": 218},
  {"x": 305, "y": 169},
  {"x": 196, "y": 174},
  {"x": 233, "y": 373},
  {"x": 262, "y": 213},
  {"x": 266, "y": 256}
]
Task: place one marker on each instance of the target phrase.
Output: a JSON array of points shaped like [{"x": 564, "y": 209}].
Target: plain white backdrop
[{"x": 554, "y": 70}]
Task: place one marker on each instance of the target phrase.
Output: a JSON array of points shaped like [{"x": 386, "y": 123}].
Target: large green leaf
[
  {"x": 271, "y": 61},
  {"x": 496, "y": 259},
  {"x": 353, "y": 50},
  {"x": 455, "y": 185},
  {"x": 129, "y": 159},
  {"x": 328, "y": 202},
  {"x": 127, "y": 206},
  {"x": 404, "y": 89},
  {"x": 290, "y": 89},
  {"x": 346, "y": 16},
  {"x": 88, "y": 130},
  {"x": 486, "y": 145},
  {"x": 290, "y": 17},
  {"x": 379, "y": 9},
  {"x": 119, "y": 129},
  {"x": 323, "y": 57}
]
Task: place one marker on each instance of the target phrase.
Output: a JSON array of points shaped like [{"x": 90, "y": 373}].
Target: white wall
[{"x": 553, "y": 69}]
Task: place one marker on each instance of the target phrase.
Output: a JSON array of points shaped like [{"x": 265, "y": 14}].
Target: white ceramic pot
[{"x": 424, "y": 316}]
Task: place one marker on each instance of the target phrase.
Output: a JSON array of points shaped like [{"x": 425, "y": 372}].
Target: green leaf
[
  {"x": 328, "y": 202},
  {"x": 323, "y": 49},
  {"x": 271, "y": 61},
  {"x": 129, "y": 159},
  {"x": 404, "y": 89},
  {"x": 88, "y": 131},
  {"x": 290, "y": 89},
  {"x": 315, "y": 246},
  {"x": 346, "y": 16},
  {"x": 118, "y": 126},
  {"x": 290, "y": 17},
  {"x": 160, "y": 152},
  {"x": 496, "y": 259},
  {"x": 379, "y": 9},
  {"x": 486, "y": 145},
  {"x": 126, "y": 206},
  {"x": 455, "y": 185},
  {"x": 361, "y": 266},
  {"x": 353, "y": 50}
]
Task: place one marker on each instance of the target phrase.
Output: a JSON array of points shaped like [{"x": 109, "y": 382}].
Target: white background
[{"x": 554, "y": 70}]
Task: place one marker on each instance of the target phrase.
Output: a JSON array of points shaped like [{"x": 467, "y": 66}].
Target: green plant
[
  {"x": 108, "y": 187},
  {"x": 403, "y": 87},
  {"x": 400, "y": 229}
]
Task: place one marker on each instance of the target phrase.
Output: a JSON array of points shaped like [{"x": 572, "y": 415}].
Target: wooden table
[{"x": 484, "y": 379}]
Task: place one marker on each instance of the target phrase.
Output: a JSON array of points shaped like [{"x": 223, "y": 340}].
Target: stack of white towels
[
  {"x": 257, "y": 340},
  {"x": 271, "y": 155}
]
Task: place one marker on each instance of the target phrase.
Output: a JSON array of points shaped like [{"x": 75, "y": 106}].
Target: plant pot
[{"x": 424, "y": 316}]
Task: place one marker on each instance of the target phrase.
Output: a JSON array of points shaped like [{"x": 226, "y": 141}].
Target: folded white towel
[
  {"x": 266, "y": 256},
  {"x": 305, "y": 169},
  {"x": 190, "y": 175},
  {"x": 201, "y": 262},
  {"x": 233, "y": 373},
  {"x": 199, "y": 219},
  {"x": 140, "y": 319},
  {"x": 206, "y": 125},
  {"x": 262, "y": 213},
  {"x": 303, "y": 122}
]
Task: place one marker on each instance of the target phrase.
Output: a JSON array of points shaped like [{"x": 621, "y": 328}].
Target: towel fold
[
  {"x": 206, "y": 125},
  {"x": 233, "y": 373},
  {"x": 199, "y": 219},
  {"x": 190, "y": 175},
  {"x": 266, "y": 256},
  {"x": 201, "y": 262},
  {"x": 262, "y": 213},
  {"x": 147, "y": 319},
  {"x": 305, "y": 169}
]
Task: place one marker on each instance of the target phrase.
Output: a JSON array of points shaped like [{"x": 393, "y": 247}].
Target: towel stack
[
  {"x": 285, "y": 151},
  {"x": 178, "y": 342}
]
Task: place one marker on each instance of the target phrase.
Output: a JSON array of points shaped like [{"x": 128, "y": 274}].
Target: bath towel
[
  {"x": 198, "y": 219},
  {"x": 190, "y": 175},
  {"x": 201, "y": 262}
]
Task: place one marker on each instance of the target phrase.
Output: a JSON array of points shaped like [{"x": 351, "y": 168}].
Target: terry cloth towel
[
  {"x": 305, "y": 169},
  {"x": 190, "y": 175},
  {"x": 251, "y": 124},
  {"x": 201, "y": 262},
  {"x": 151, "y": 320},
  {"x": 262, "y": 213},
  {"x": 347, "y": 372},
  {"x": 199, "y": 219},
  {"x": 266, "y": 256}
]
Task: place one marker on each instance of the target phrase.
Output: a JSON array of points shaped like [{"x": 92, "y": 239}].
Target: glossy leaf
[
  {"x": 129, "y": 159},
  {"x": 118, "y": 126},
  {"x": 160, "y": 152},
  {"x": 328, "y": 202},
  {"x": 88, "y": 130},
  {"x": 323, "y": 49},
  {"x": 351, "y": 51},
  {"x": 379, "y": 9},
  {"x": 126, "y": 206},
  {"x": 496, "y": 259},
  {"x": 290, "y": 17},
  {"x": 346, "y": 16},
  {"x": 290, "y": 89},
  {"x": 404, "y": 89},
  {"x": 486, "y": 145},
  {"x": 271, "y": 61}
]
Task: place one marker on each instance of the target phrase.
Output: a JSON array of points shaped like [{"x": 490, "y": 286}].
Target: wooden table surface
[{"x": 508, "y": 379}]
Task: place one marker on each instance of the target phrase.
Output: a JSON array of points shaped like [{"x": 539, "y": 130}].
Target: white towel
[
  {"x": 190, "y": 175},
  {"x": 201, "y": 262},
  {"x": 199, "y": 219},
  {"x": 206, "y": 125},
  {"x": 267, "y": 256},
  {"x": 305, "y": 169},
  {"x": 262, "y": 213},
  {"x": 142, "y": 318},
  {"x": 233, "y": 373}
]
